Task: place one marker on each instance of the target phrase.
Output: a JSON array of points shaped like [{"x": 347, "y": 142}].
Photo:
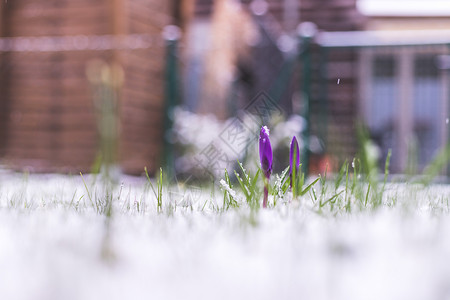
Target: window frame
[{"x": 404, "y": 110}]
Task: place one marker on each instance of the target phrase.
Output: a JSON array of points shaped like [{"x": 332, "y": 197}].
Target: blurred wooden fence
[{"x": 47, "y": 110}]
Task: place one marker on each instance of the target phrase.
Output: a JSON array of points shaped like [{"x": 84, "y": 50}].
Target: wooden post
[
  {"x": 118, "y": 25},
  {"x": 118, "y": 17},
  {"x": 2, "y": 19},
  {"x": 3, "y": 115}
]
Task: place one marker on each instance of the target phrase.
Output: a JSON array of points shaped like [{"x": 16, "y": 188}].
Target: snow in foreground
[{"x": 54, "y": 245}]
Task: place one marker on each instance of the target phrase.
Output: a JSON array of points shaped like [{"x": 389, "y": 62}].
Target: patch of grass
[
  {"x": 354, "y": 188},
  {"x": 229, "y": 195},
  {"x": 249, "y": 186}
]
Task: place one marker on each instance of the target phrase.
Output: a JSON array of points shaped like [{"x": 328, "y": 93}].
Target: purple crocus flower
[
  {"x": 294, "y": 152},
  {"x": 265, "y": 151},
  {"x": 266, "y": 158}
]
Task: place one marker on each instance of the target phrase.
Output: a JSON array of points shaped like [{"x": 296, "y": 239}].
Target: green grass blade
[
  {"x": 242, "y": 184},
  {"x": 150, "y": 182},
  {"x": 303, "y": 192},
  {"x": 87, "y": 190}
]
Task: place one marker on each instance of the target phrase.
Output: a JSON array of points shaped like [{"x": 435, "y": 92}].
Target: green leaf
[{"x": 309, "y": 187}]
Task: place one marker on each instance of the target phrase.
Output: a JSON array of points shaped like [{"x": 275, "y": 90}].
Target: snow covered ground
[{"x": 54, "y": 245}]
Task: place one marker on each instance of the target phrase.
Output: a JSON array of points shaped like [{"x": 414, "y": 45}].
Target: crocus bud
[
  {"x": 266, "y": 158},
  {"x": 294, "y": 152},
  {"x": 294, "y": 159},
  {"x": 265, "y": 152}
]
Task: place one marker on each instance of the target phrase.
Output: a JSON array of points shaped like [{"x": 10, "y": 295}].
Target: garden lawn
[{"x": 57, "y": 241}]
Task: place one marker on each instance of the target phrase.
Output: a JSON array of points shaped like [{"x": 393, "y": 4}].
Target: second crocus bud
[
  {"x": 265, "y": 152},
  {"x": 294, "y": 157}
]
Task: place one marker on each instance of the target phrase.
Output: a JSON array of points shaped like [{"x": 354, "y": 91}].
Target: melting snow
[{"x": 52, "y": 243}]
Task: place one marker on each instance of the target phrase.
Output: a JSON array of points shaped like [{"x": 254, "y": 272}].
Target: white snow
[
  {"x": 51, "y": 249},
  {"x": 404, "y": 7}
]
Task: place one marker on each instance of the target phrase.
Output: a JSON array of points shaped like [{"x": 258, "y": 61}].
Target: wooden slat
[
  {"x": 133, "y": 150},
  {"x": 39, "y": 104},
  {"x": 2, "y": 18},
  {"x": 145, "y": 89},
  {"x": 47, "y": 28},
  {"x": 152, "y": 102},
  {"x": 67, "y": 163},
  {"x": 74, "y": 141},
  {"x": 63, "y": 120},
  {"x": 154, "y": 98},
  {"x": 45, "y": 94},
  {"x": 139, "y": 60},
  {"x": 138, "y": 26},
  {"x": 75, "y": 12},
  {"x": 152, "y": 135},
  {"x": 156, "y": 11},
  {"x": 49, "y": 150}
]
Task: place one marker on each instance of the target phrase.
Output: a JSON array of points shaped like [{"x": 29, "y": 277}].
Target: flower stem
[{"x": 266, "y": 195}]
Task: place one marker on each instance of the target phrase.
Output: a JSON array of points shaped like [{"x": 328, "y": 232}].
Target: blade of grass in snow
[
  {"x": 159, "y": 187},
  {"x": 229, "y": 195},
  {"x": 87, "y": 190}
]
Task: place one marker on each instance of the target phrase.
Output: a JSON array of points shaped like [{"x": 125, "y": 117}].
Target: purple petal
[{"x": 265, "y": 151}]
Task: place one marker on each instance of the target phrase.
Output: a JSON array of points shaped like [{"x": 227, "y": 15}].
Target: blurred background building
[
  {"x": 384, "y": 63},
  {"x": 403, "y": 89}
]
